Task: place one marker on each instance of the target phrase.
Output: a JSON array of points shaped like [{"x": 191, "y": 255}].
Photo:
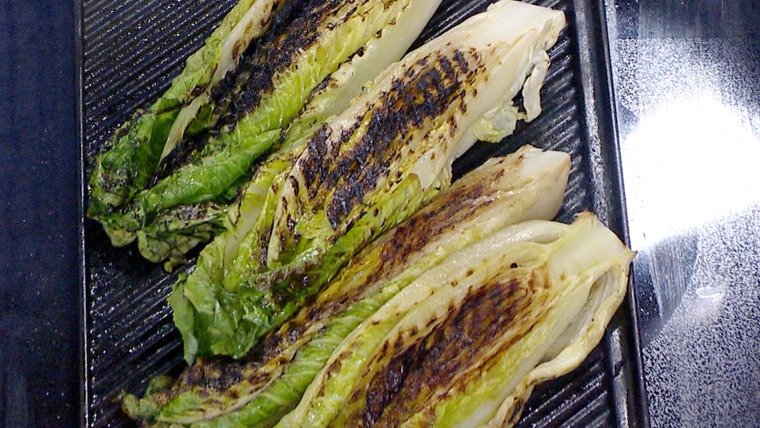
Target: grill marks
[
  {"x": 224, "y": 383},
  {"x": 315, "y": 166},
  {"x": 212, "y": 380},
  {"x": 414, "y": 375},
  {"x": 365, "y": 152},
  {"x": 459, "y": 204},
  {"x": 367, "y": 163},
  {"x": 341, "y": 166}
]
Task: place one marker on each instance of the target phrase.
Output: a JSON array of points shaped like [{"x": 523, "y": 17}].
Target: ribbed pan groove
[{"x": 131, "y": 51}]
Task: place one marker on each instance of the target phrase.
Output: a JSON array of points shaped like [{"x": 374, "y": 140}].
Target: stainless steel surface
[{"x": 687, "y": 84}]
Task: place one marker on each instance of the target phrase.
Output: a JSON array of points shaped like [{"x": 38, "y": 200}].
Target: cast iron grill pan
[{"x": 131, "y": 49}]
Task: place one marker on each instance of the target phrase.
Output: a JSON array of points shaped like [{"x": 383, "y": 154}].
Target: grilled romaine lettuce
[
  {"x": 362, "y": 172},
  {"x": 179, "y": 229},
  {"x": 465, "y": 342},
  {"x": 270, "y": 380},
  {"x": 136, "y": 147},
  {"x": 246, "y": 112}
]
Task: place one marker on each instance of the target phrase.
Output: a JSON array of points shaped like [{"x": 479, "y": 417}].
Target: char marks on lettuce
[
  {"x": 432, "y": 86},
  {"x": 403, "y": 387}
]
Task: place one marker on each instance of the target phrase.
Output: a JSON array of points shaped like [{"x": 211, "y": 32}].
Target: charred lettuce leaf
[{"x": 270, "y": 380}]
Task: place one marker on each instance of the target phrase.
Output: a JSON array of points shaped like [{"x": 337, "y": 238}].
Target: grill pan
[{"x": 129, "y": 52}]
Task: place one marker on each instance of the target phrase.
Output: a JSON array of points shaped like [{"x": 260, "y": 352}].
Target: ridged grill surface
[{"x": 131, "y": 51}]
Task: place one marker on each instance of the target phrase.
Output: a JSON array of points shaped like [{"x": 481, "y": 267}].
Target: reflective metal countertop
[{"x": 687, "y": 89}]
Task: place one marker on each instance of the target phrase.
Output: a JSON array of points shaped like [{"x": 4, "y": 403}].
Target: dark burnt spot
[
  {"x": 538, "y": 280},
  {"x": 404, "y": 386},
  {"x": 516, "y": 410},
  {"x": 462, "y": 61},
  {"x": 211, "y": 376},
  {"x": 240, "y": 90},
  {"x": 276, "y": 343},
  {"x": 398, "y": 345},
  {"x": 313, "y": 166},
  {"x": 224, "y": 378},
  {"x": 185, "y": 152},
  {"x": 317, "y": 146},
  {"x": 333, "y": 368},
  {"x": 197, "y": 90},
  {"x": 191, "y": 213},
  {"x": 125, "y": 129},
  {"x": 162, "y": 398},
  {"x": 192, "y": 375},
  {"x": 349, "y": 14},
  {"x": 314, "y": 312},
  {"x": 378, "y": 398},
  {"x": 294, "y": 185},
  {"x": 238, "y": 48},
  {"x": 327, "y": 81},
  {"x": 346, "y": 135},
  {"x": 232, "y": 394},
  {"x": 449, "y": 68},
  {"x": 259, "y": 257}
]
